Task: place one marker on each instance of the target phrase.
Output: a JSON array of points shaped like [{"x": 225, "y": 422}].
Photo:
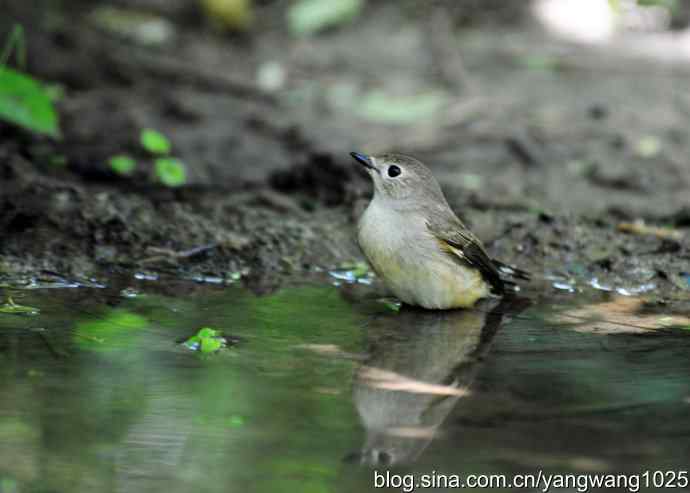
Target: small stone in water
[
  {"x": 202, "y": 279},
  {"x": 643, "y": 288},
  {"x": 597, "y": 285},
  {"x": 129, "y": 293},
  {"x": 564, "y": 286},
  {"x": 146, "y": 276},
  {"x": 359, "y": 272}
]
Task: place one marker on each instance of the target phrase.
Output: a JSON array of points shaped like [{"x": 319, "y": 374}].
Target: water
[{"x": 319, "y": 389}]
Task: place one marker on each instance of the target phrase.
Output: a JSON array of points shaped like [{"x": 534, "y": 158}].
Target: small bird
[{"x": 417, "y": 245}]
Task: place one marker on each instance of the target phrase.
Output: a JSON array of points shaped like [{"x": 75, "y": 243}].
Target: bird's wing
[{"x": 459, "y": 242}]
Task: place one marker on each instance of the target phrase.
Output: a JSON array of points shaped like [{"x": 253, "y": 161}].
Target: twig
[
  {"x": 523, "y": 148},
  {"x": 640, "y": 228},
  {"x": 167, "y": 254}
]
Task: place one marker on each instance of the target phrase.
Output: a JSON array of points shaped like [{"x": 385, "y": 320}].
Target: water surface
[{"x": 318, "y": 389}]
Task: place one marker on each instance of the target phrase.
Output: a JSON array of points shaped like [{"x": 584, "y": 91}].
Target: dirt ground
[{"x": 544, "y": 148}]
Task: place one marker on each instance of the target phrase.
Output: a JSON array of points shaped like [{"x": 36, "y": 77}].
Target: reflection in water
[
  {"x": 421, "y": 364},
  {"x": 97, "y": 395}
]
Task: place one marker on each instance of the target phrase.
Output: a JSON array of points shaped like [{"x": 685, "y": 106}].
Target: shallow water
[{"x": 322, "y": 388}]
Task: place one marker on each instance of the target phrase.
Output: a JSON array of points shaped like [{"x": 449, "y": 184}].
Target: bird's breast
[{"x": 410, "y": 261}]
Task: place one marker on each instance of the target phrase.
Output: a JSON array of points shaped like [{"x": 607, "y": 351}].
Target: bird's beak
[{"x": 364, "y": 160}]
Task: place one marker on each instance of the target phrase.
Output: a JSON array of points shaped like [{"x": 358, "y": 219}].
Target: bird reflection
[{"x": 422, "y": 364}]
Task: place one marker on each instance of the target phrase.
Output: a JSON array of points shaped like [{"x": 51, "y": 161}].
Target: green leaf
[
  {"x": 122, "y": 164},
  {"x": 207, "y": 332},
  {"x": 211, "y": 344},
  {"x": 309, "y": 16},
  {"x": 206, "y": 340},
  {"x": 24, "y": 102},
  {"x": 154, "y": 142},
  {"x": 171, "y": 171}
]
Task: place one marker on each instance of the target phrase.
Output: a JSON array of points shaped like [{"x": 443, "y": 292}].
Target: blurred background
[{"x": 114, "y": 114}]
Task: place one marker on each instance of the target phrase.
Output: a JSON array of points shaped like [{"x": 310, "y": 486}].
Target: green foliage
[
  {"x": 206, "y": 332},
  {"x": 168, "y": 170},
  {"x": 206, "y": 341},
  {"x": 154, "y": 142},
  {"x": 310, "y": 16},
  {"x": 210, "y": 345},
  {"x": 122, "y": 164},
  {"x": 25, "y": 102},
  {"x": 171, "y": 171}
]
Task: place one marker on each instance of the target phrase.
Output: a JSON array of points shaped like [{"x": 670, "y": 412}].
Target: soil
[{"x": 543, "y": 147}]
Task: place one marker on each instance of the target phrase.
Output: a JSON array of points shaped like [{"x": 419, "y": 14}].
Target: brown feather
[{"x": 468, "y": 249}]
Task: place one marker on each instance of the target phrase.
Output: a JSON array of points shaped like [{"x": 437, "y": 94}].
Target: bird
[{"x": 418, "y": 246}]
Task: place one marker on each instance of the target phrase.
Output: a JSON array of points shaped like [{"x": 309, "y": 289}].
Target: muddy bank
[
  {"x": 545, "y": 161},
  {"x": 82, "y": 230},
  {"x": 263, "y": 235}
]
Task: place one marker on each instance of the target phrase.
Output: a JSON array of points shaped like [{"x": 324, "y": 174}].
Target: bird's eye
[{"x": 393, "y": 171}]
